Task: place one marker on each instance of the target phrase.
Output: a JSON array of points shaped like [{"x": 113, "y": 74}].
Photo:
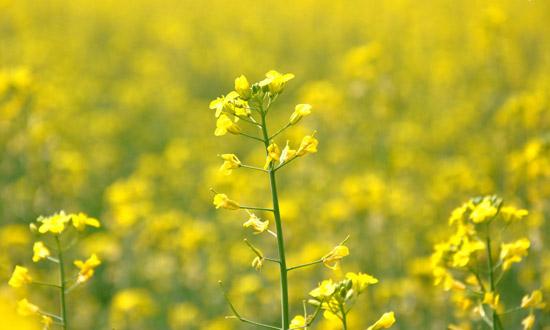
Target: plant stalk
[
  {"x": 62, "y": 284},
  {"x": 280, "y": 240}
]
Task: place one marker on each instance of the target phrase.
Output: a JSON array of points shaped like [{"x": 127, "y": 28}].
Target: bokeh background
[{"x": 419, "y": 105}]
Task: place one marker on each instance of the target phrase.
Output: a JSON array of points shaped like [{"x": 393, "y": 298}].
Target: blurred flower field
[{"x": 418, "y": 106}]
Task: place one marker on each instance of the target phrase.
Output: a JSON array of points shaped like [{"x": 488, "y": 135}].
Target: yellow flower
[
  {"x": 54, "y": 224},
  {"x": 324, "y": 290},
  {"x": 47, "y": 321},
  {"x": 287, "y": 154},
  {"x": 276, "y": 81},
  {"x": 308, "y": 145},
  {"x": 40, "y": 251},
  {"x": 361, "y": 281},
  {"x": 491, "y": 299},
  {"x": 298, "y": 322},
  {"x": 224, "y": 125},
  {"x": 256, "y": 224},
  {"x": 528, "y": 322},
  {"x": 224, "y": 103},
  {"x": 19, "y": 277},
  {"x": 458, "y": 214},
  {"x": 87, "y": 267},
  {"x": 301, "y": 110},
  {"x": 222, "y": 201},
  {"x": 230, "y": 162},
  {"x": 462, "y": 257},
  {"x": 483, "y": 211},
  {"x": 386, "y": 321},
  {"x": 81, "y": 220},
  {"x": 25, "y": 308},
  {"x": 242, "y": 86},
  {"x": 534, "y": 300},
  {"x": 510, "y": 213},
  {"x": 513, "y": 252},
  {"x": 273, "y": 154},
  {"x": 332, "y": 258}
]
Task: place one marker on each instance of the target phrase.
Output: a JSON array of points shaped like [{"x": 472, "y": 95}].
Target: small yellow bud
[
  {"x": 19, "y": 277},
  {"x": 87, "y": 267},
  {"x": 386, "y": 321},
  {"x": 230, "y": 162},
  {"x": 309, "y": 145},
  {"x": 40, "y": 251},
  {"x": 298, "y": 322},
  {"x": 301, "y": 110},
  {"x": 242, "y": 86},
  {"x": 25, "y": 308},
  {"x": 528, "y": 322}
]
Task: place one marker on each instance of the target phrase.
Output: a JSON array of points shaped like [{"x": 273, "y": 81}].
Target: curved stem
[
  {"x": 62, "y": 284},
  {"x": 285, "y": 319}
]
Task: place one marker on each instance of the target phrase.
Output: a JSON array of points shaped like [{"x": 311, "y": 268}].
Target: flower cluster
[
  {"x": 474, "y": 259},
  {"x": 336, "y": 298},
  {"x": 51, "y": 229}
]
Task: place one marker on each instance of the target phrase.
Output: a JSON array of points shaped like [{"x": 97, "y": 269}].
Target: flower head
[
  {"x": 332, "y": 258},
  {"x": 513, "y": 252},
  {"x": 325, "y": 289},
  {"x": 298, "y": 322},
  {"x": 361, "y": 281},
  {"x": 54, "y": 224},
  {"x": 222, "y": 201},
  {"x": 81, "y": 220},
  {"x": 308, "y": 145},
  {"x": 40, "y": 251},
  {"x": 25, "y": 308},
  {"x": 510, "y": 213},
  {"x": 19, "y": 277},
  {"x": 534, "y": 300},
  {"x": 230, "y": 162},
  {"x": 224, "y": 125},
  {"x": 276, "y": 81},
  {"x": 242, "y": 86},
  {"x": 528, "y": 322},
  {"x": 386, "y": 321},
  {"x": 483, "y": 211},
  {"x": 87, "y": 267},
  {"x": 301, "y": 110}
]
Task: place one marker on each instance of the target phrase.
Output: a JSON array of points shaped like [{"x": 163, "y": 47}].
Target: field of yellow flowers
[{"x": 419, "y": 135}]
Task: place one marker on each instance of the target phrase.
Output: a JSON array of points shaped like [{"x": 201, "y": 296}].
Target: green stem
[
  {"x": 280, "y": 240},
  {"x": 305, "y": 265},
  {"x": 497, "y": 325},
  {"x": 62, "y": 284},
  {"x": 344, "y": 316}
]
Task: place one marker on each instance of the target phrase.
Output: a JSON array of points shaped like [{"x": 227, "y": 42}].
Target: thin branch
[
  {"x": 280, "y": 131},
  {"x": 256, "y": 208},
  {"x": 46, "y": 284},
  {"x": 305, "y": 265},
  {"x": 272, "y": 260},
  {"x": 254, "y": 168},
  {"x": 251, "y": 137},
  {"x": 238, "y": 316}
]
